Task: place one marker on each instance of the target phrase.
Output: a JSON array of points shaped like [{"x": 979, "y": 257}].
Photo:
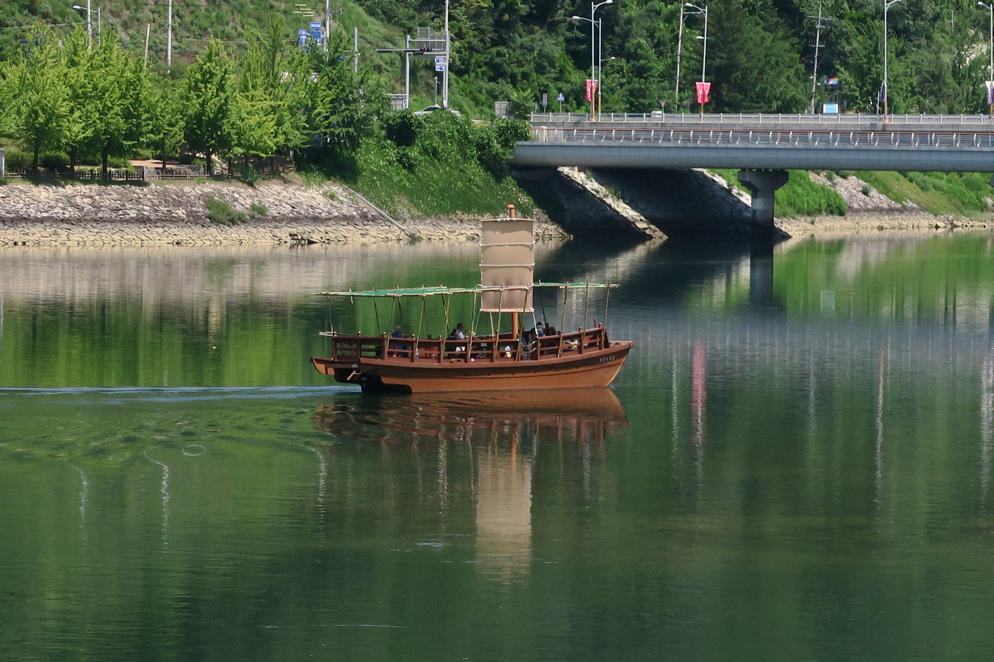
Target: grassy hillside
[{"x": 957, "y": 194}]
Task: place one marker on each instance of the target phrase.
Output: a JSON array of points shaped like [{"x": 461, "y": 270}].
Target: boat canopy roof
[{"x": 444, "y": 291}]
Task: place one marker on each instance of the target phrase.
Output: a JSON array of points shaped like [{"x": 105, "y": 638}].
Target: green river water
[{"x": 795, "y": 462}]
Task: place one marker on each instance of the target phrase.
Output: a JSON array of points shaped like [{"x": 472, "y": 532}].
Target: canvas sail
[{"x": 508, "y": 265}]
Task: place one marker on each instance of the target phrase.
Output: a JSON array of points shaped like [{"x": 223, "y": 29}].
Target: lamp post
[
  {"x": 600, "y": 73},
  {"x": 990, "y": 72},
  {"x": 704, "y": 59},
  {"x": 679, "y": 44},
  {"x": 593, "y": 60},
  {"x": 89, "y": 23},
  {"x": 886, "y": 7},
  {"x": 448, "y": 59}
]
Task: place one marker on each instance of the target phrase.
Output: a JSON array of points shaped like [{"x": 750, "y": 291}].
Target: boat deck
[{"x": 501, "y": 349}]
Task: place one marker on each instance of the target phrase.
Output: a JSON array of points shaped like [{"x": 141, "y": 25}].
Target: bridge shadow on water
[{"x": 664, "y": 273}]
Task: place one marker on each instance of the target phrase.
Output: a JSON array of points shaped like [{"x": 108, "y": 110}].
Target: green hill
[{"x": 760, "y": 52}]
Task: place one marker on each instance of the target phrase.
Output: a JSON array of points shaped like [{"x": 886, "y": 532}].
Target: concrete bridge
[{"x": 761, "y": 147}]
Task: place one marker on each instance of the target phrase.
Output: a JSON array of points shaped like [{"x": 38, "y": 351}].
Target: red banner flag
[
  {"x": 703, "y": 89},
  {"x": 591, "y": 89}
]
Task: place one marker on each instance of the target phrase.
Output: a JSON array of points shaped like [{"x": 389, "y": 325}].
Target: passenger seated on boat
[
  {"x": 549, "y": 330},
  {"x": 397, "y": 348},
  {"x": 458, "y": 333},
  {"x": 528, "y": 342}
]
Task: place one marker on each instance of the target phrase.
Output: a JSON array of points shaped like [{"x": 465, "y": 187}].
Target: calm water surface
[{"x": 795, "y": 463}]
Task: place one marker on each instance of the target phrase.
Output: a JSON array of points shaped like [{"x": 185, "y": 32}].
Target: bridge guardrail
[
  {"x": 766, "y": 118},
  {"x": 810, "y": 138}
]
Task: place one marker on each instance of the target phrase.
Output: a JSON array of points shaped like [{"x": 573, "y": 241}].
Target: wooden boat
[{"x": 497, "y": 360}]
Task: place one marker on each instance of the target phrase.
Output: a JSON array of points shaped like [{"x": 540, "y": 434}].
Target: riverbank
[
  {"x": 879, "y": 222},
  {"x": 869, "y": 211},
  {"x": 176, "y": 214}
]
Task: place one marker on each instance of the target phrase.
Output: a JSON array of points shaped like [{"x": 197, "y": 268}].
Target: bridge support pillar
[{"x": 762, "y": 184}]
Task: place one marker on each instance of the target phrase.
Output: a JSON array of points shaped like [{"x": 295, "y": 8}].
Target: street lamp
[
  {"x": 600, "y": 73},
  {"x": 704, "y": 60},
  {"x": 89, "y": 23},
  {"x": 990, "y": 72},
  {"x": 593, "y": 61},
  {"x": 679, "y": 43},
  {"x": 884, "y": 91}
]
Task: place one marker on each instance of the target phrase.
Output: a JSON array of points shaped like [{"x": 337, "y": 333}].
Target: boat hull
[{"x": 592, "y": 368}]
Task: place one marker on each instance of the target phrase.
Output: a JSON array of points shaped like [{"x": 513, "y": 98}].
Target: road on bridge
[{"x": 948, "y": 143}]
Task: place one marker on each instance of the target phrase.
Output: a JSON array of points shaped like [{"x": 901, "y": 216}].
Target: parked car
[{"x": 432, "y": 109}]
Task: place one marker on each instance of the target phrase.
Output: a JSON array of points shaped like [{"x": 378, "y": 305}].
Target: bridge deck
[{"x": 753, "y": 143}]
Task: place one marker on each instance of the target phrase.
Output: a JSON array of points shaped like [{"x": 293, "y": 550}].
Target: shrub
[
  {"x": 402, "y": 128},
  {"x": 18, "y": 161},
  {"x": 407, "y": 158},
  {"x": 259, "y": 209},
  {"x": 803, "y": 197},
  {"x": 54, "y": 161},
  {"x": 250, "y": 175},
  {"x": 222, "y": 213},
  {"x": 120, "y": 163},
  {"x": 495, "y": 144}
]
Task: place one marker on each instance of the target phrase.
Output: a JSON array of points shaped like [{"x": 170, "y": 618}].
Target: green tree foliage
[
  {"x": 207, "y": 103},
  {"x": 338, "y": 112},
  {"x": 257, "y": 94},
  {"x": 754, "y": 61},
  {"x": 36, "y": 93},
  {"x": 116, "y": 94},
  {"x": 272, "y": 80},
  {"x": 163, "y": 133}
]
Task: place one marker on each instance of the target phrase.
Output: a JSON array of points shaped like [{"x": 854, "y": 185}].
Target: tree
[
  {"x": 163, "y": 127},
  {"x": 336, "y": 103},
  {"x": 117, "y": 93},
  {"x": 207, "y": 103},
  {"x": 36, "y": 86},
  {"x": 273, "y": 80},
  {"x": 754, "y": 64}
]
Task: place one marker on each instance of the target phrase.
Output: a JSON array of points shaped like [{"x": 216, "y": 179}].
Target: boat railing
[
  {"x": 345, "y": 348},
  {"x": 474, "y": 348}
]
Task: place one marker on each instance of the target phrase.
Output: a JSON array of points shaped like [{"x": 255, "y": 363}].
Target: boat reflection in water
[{"x": 500, "y": 433}]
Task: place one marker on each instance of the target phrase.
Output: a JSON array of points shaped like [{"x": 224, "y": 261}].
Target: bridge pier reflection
[{"x": 761, "y": 273}]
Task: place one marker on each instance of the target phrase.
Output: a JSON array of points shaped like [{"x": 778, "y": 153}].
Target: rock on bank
[{"x": 164, "y": 213}]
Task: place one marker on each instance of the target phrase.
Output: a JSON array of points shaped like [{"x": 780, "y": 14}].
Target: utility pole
[
  {"x": 448, "y": 60},
  {"x": 819, "y": 24},
  {"x": 884, "y": 89},
  {"x": 679, "y": 44},
  {"x": 169, "y": 39}
]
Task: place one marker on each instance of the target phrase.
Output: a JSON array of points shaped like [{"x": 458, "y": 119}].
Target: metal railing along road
[
  {"x": 822, "y": 120},
  {"x": 802, "y": 138}
]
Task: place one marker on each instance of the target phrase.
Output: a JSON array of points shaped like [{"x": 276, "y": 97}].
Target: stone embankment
[{"x": 164, "y": 214}]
